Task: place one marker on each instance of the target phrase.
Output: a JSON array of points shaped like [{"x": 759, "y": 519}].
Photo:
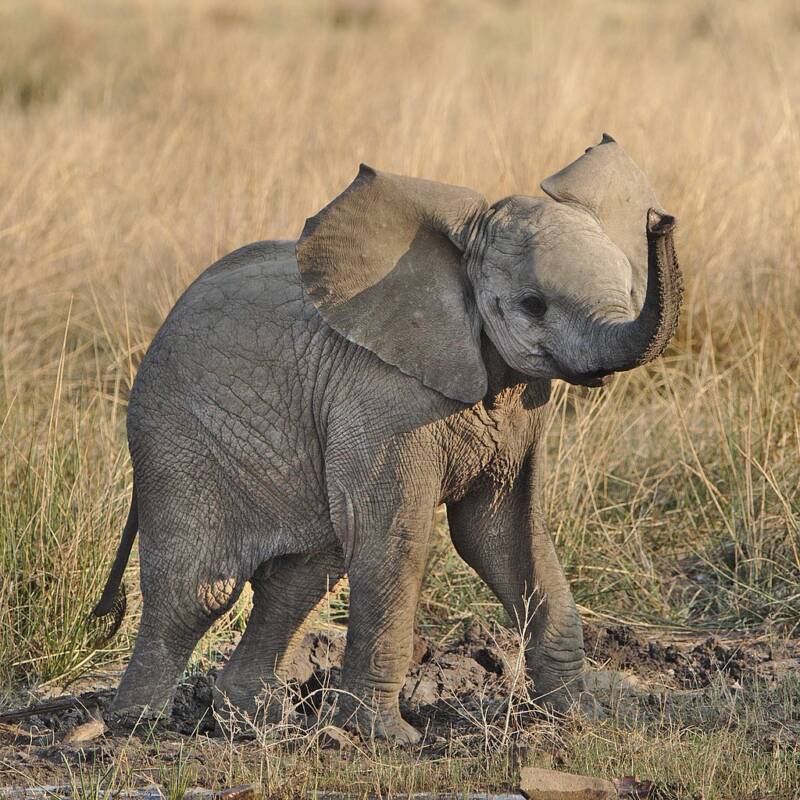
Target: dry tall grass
[{"x": 142, "y": 140}]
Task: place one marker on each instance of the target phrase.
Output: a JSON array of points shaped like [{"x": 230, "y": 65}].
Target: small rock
[
  {"x": 86, "y": 732},
  {"x": 547, "y": 784}
]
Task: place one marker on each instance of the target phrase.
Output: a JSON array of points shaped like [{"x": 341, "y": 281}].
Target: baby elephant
[{"x": 307, "y": 405}]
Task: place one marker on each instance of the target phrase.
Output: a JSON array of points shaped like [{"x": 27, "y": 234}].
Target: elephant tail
[{"x": 113, "y": 602}]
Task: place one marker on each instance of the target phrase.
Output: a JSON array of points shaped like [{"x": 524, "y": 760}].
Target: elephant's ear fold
[
  {"x": 607, "y": 182},
  {"x": 382, "y": 263}
]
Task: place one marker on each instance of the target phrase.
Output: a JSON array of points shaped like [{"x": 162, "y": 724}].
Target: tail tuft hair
[
  {"x": 114, "y": 602},
  {"x": 108, "y": 621}
]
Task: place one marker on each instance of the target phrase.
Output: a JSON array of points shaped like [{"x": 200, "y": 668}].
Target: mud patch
[
  {"x": 455, "y": 687},
  {"x": 446, "y": 684},
  {"x": 683, "y": 665}
]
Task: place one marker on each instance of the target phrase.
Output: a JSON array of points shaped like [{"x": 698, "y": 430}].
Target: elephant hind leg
[
  {"x": 186, "y": 586},
  {"x": 285, "y": 591}
]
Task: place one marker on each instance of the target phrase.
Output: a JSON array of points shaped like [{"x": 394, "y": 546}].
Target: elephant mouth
[{"x": 592, "y": 380}]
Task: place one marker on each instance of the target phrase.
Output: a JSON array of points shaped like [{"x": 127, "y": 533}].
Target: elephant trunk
[{"x": 620, "y": 346}]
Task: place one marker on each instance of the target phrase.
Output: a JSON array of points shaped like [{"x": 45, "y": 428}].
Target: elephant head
[{"x": 577, "y": 285}]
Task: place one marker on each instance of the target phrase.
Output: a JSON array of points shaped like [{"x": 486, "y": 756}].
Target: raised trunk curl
[{"x": 620, "y": 346}]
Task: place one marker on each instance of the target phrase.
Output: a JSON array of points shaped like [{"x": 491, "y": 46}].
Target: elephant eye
[{"x": 534, "y": 306}]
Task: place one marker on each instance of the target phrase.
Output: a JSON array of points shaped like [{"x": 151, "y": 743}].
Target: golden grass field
[{"x": 140, "y": 140}]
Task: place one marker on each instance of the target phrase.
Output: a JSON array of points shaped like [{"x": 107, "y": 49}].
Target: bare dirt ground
[{"x": 455, "y": 693}]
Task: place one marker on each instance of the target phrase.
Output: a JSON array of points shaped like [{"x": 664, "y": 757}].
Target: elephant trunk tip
[{"x": 659, "y": 223}]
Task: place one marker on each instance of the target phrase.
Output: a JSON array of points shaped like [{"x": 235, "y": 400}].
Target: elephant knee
[{"x": 217, "y": 596}]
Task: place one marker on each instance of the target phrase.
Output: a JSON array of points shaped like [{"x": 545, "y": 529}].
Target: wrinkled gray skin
[{"x": 306, "y": 406}]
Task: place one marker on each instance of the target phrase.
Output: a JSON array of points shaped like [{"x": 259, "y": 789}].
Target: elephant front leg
[
  {"x": 505, "y": 540},
  {"x": 555, "y": 653},
  {"x": 385, "y": 573}
]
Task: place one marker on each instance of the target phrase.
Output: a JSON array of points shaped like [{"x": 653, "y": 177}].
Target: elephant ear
[
  {"x": 382, "y": 263},
  {"x": 608, "y": 183}
]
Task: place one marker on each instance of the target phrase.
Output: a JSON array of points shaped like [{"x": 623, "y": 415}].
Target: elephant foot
[
  {"x": 584, "y": 706},
  {"x": 268, "y": 703},
  {"x": 588, "y": 707},
  {"x": 130, "y": 715},
  {"x": 383, "y": 723},
  {"x": 572, "y": 701}
]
